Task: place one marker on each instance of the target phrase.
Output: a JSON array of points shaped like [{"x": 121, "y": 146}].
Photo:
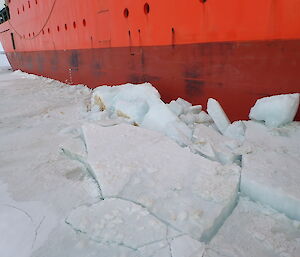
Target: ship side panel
[{"x": 77, "y": 24}]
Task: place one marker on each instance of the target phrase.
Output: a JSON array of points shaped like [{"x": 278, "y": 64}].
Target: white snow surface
[
  {"x": 275, "y": 110},
  {"x": 117, "y": 172}
]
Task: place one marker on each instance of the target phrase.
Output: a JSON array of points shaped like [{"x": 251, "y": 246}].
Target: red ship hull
[
  {"x": 235, "y": 52},
  {"x": 234, "y": 73}
]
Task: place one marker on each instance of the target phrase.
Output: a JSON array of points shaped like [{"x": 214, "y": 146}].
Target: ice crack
[{"x": 87, "y": 166}]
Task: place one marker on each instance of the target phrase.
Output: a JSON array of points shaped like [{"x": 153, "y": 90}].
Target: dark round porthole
[
  {"x": 126, "y": 12},
  {"x": 146, "y": 8}
]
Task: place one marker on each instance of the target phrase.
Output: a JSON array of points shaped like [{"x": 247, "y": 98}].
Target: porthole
[
  {"x": 126, "y": 13},
  {"x": 18, "y": 11},
  {"x": 146, "y": 8},
  {"x": 33, "y": 34},
  {"x": 66, "y": 27},
  {"x": 43, "y": 32},
  {"x": 48, "y": 30},
  {"x": 84, "y": 22},
  {"x": 23, "y": 7},
  {"x": 29, "y": 35},
  {"x": 36, "y": 2},
  {"x": 74, "y": 25},
  {"x": 58, "y": 29},
  {"x": 28, "y": 4}
]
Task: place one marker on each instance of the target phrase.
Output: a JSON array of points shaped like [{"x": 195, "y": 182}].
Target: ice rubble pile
[
  {"x": 141, "y": 104},
  {"x": 186, "y": 124},
  {"x": 211, "y": 134},
  {"x": 268, "y": 153},
  {"x": 153, "y": 197}
]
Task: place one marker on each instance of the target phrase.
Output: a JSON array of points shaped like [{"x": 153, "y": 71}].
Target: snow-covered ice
[
  {"x": 188, "y": 192},
  {"x": 211, "y": 144},
  {"x": 142, "y": 105},
  {"x": 255, "y": 230},
  {"x": 271, "y": 173},
  {"x": 275, "y": 110},
  {"x": 117, "y": 172}
]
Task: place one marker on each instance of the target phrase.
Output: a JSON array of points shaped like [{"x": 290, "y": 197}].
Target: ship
[{"x": 235, "y": 51}]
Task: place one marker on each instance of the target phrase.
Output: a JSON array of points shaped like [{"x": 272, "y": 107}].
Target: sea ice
[
  {"x": 270, "y": 172},
  {"x": 285, "y": 140},
  {"x": 236, "y": 130},
  {"x": 275, "y": 110},
  {"x": 255, "y": 230},
  {"x": 175, "y": 107},
  {"x": 203, "y": 117},
  {"x": 119, "y": 222},
  {"x": 211, "y": 144},
  {"x": 218, "y": 115},
  {"x": 142, "y": 105},
  {"x": 272, "y": 178},
  {"x": 189, "y": 193}
]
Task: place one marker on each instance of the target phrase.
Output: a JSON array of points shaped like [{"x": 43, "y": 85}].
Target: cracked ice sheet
[
  {"x": 255, "y": 230},
  {"x": 38, "y": 116},
  {"x": 270, "y": 171},
  {"x": 24, "y": 226},
  {"x": 187, "y": 192},
  {"x": 118, "y": 222}
]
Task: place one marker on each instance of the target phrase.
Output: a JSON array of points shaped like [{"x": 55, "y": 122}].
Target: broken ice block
[
  {"x": 212, "y": 144},
  {"x": 275, "y": 110},
  {"x": 218, "y": 115},
  {"x": 185, "y": 104},
  {"x": 272, "y": 178},
  {"x": 236, "y": 130},
  {"x": 175, "y": 107}
]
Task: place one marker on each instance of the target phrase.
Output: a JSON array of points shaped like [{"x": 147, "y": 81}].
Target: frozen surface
[
  {"x": 24, "y": 226},
  {"x": 38, "y": 185},
  {"x": 84, "y": 179},
  {"x": 254, "y": 230},
  {"x": 218, "y": 115},
  {"x": 275, "y": 110},
  {"x": 189, "y": 193},
  {"x": 271, "y": 167},
  {"x": 284, "y": 140},
  {"x": 123, "y": 223}
]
